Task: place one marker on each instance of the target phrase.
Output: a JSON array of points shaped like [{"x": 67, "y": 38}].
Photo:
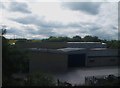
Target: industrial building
[{"x": 75, "y": 54}]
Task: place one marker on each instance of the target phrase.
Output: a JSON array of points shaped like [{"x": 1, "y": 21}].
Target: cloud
[
  {"x": 43, "y": 27},
  {"x": 52, "y": 19},
  {"x": 40, "y": 21},
  {"x": 27, "y": 20},
  {"x": 28, "y": 32},
  {"x": 19, "y": 7},
  {"x": 2, "y": 6},
  {"x": 40, "y": 31},
  {"x": 88, "y": 7},
  {"x": 14, "y": 31},
  {"x": 59, "y": 29}
]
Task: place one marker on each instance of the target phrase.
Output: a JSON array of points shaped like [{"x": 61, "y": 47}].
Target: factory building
[
  {"x": 89, "y": 54},
  {"x": 86, "y": 45}
]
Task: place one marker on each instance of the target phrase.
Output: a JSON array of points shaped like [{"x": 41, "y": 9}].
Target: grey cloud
[
  {"x": 39, "y": 31},
  {"x": 43, "y": 27},
  {"x": 27, "y": 20},
  {"x": 2, "y": 6},
  {"x": 96, "y": 30},
  {"x": 73, "y": 25},
  {"x": 37, "y": 21},
  {"x": 105, "y": 35},
  {"x": 88, "y": 7},
  {"x": 46, "y": 28},
  {"x": 15, "y": 31},
  {"x": 42, "y": 23},
  {"x": 19, "y": 7},
  {"x": 46, "y": 32},
  {"x": 114, "y": 27},
  {"x": 12, "y": 31}
]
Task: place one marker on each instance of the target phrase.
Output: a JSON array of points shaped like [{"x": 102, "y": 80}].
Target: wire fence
[{"x": 93, "y": 80}]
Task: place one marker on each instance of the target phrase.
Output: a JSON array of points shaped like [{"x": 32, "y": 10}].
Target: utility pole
[{"x": 13, "y": 37}]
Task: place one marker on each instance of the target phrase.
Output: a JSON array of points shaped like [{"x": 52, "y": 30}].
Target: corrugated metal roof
[
  {"x": 70, "y": 49},
  {"x": 98, "y": 48},
  {"x": 85, "y": 42},
  {"x": 61, "y": 50},
  {"x": 90, "y": 52}
]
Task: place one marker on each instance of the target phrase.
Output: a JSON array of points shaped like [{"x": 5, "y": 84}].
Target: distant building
[
  {"x": 86, "y": 45},
  {"x": 77, "y": 54}
]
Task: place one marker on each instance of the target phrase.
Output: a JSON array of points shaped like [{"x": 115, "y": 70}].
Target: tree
[
  {"x": 6, "y": 63},
  {"x": 56, "y": 39},
  {"x": 3, "y": 30},
  {"x": 89, "y": 38},
  {"x": 13, "y": 61},
  {"x": 76, "y": 38},
  {"x": 113, "y": 44}
]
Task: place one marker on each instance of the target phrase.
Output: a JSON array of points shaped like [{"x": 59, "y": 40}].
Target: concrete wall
[
  {"x": 47, "y": 62},
  {"x": 105, "y": 57},
  {"x": 101, "y": 61},
  {"x": 58, "y": 62},
  {"x": 103, "y": 52}
]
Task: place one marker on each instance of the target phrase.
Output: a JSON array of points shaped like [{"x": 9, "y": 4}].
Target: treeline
[
  {"x": 110, "y": 43},
  {"x": 13, "y": 61},
  {"x": 73, "y": 39}
]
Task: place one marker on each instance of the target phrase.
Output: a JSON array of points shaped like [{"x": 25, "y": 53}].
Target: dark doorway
[{"x": 76, "y": 60}]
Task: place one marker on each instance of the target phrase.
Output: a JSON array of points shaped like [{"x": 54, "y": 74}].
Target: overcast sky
[{"x": 36, "y": 20}]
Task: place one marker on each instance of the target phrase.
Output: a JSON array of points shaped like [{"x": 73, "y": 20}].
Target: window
[
  {"x": 112, "y": 60},
  {"x": 91, "y": 60}
]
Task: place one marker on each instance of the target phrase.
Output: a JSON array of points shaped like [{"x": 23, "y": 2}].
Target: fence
[{"x": 92, "y": 80}]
